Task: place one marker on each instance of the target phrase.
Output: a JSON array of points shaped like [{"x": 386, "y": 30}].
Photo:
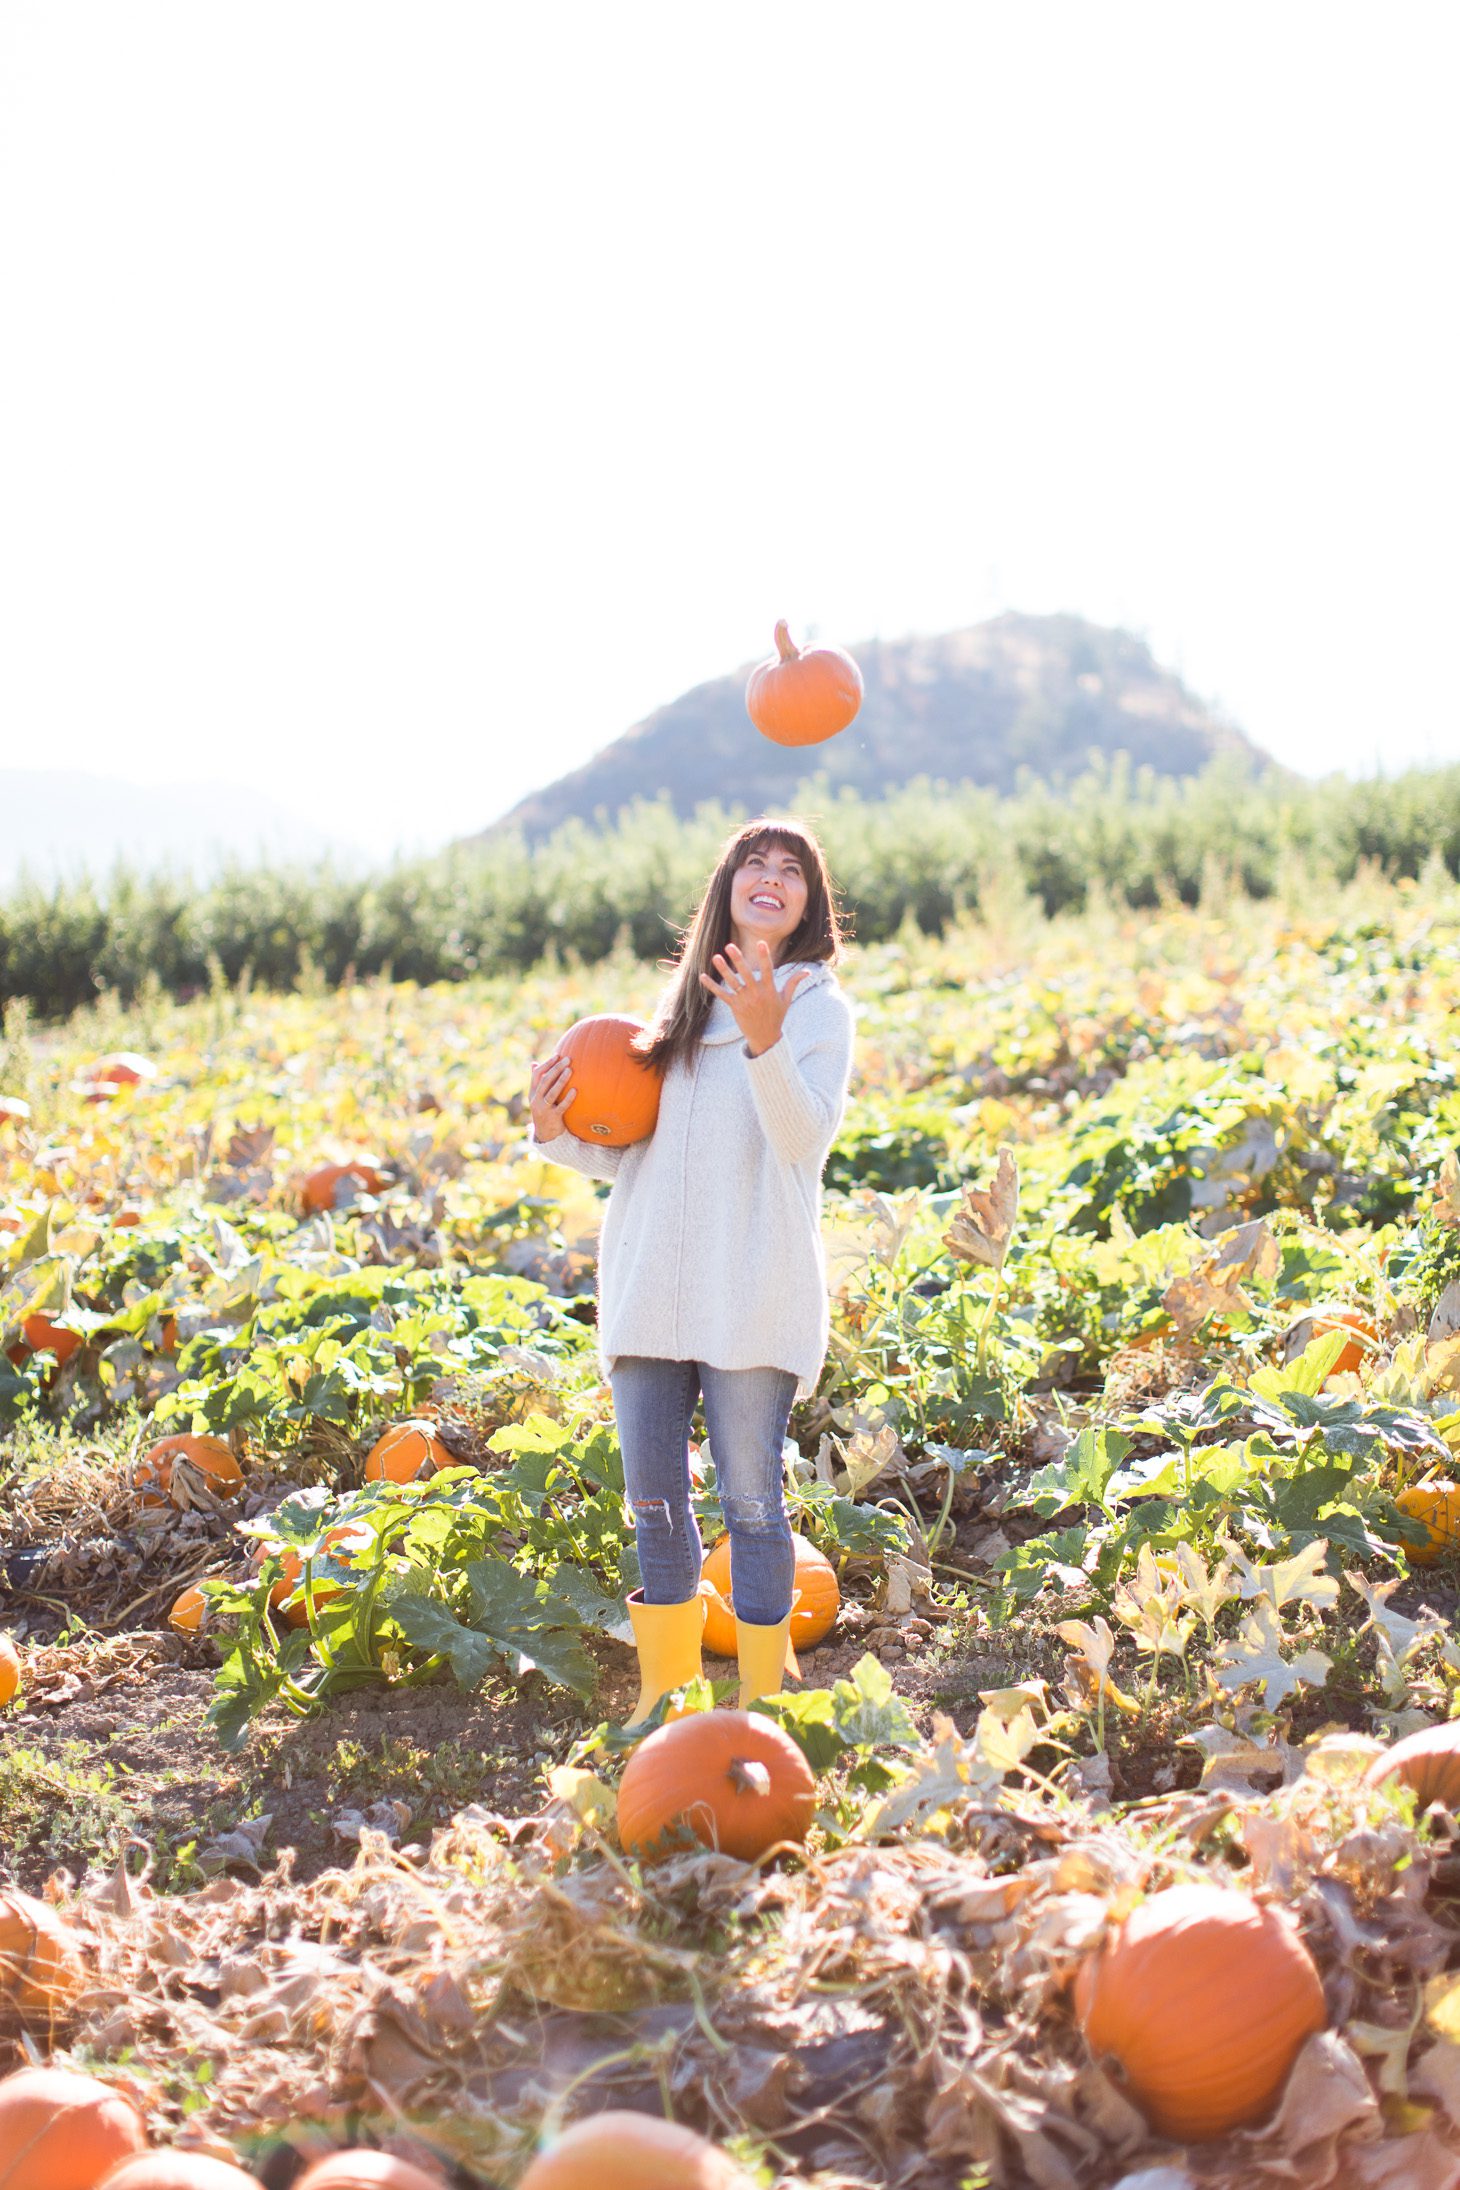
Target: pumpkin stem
[
  {"x": 786, "y": 646},
  {"x": 748, "y": 1777}
]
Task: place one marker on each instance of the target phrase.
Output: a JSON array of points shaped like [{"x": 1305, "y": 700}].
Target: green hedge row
[{"x": 925, "y": 853}]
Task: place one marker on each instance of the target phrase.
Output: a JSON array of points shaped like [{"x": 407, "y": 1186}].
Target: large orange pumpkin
[
  {"x": 61, "y": 2131},
  {"x": 179, "y": 2171},
  {"x": 1323, "y": 1317},
  {"x": 9, "y": 1670},
  {"x": 41, "y": 1966},
  {"x": 362, "y": 2170},
  {"x": 210, "y": 1456},
  {"x": 406, "y": 1451},
  {"x": 614, "y": 2149},
  {"x": 616, "y": 1099},
  {"x": 814, "y": 1608},
  {"x": 322, "y": 1189},
  {"x": 1203, "y": 2000},
  {"x": 800, "y": 697},
  {"x": 1438, "y": 1506},
  {"x": 731, "y": 1777},
  {"x": 1428, "y": 1761}
]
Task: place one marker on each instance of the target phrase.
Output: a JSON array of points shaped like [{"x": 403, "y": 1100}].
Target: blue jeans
[{"x": 746, "y": 1411}]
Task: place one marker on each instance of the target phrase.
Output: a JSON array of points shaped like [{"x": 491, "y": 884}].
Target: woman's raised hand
[
  {"x": 550, "y": 1094},
  {"x": 749, "y": 988}
]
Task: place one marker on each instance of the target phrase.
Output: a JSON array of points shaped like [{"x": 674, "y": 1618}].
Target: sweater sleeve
[
  {"x": 800, "y": 1082},
  {"x": 576, "y": 1155}
]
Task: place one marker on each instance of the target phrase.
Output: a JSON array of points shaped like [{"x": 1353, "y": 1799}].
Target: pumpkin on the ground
[
  {"x": 1325, "y": 1316},
  {"x": 406, "y": 1451},
  {"x": 816, "y": 1598},
  {"x": 107, "y": 1076},
  {"x": 803, "y": 695},
  {"x": 616, "y": 1093},
  {"x": 179, "y": 2171},
  {"x": 364, "y": 2170},
  {"x": 9, "y": 1670},
  {"x": 43, "y": 1336},
  {"x": 156, "y": 1480},
  {"x": 62, "y": 2131},
  {"x": 41, "y": 1964},
  {"x": 189, "y": 1612},
  {"x": 612, "y": 2150},
  {"x": 289, "y": 1592},
  {"x": 1438, "y": 1506},
  {"x": 1428, "y": 1761},
  {"x": 732, "y": 1778},
  {"x": 326, "y": 1188},
  {"x": 1203, "y": 2000}
]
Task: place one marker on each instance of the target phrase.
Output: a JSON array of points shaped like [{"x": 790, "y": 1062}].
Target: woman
[{"x": 711, "y": 1279}]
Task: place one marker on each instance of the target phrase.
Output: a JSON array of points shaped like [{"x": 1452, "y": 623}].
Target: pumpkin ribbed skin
[
  {"x": 188, "y": 1613},
  {"x": 41, "y": 1969},
  {"x": 1428, "y": 1761},
  {"x": 1325, "y": 1316},
  {"x": 405, "y": 1451},
  {"x": 61, "y": 2131},
  {"x": 178, "y": 2171},
  {"x": 9, "y": 1670},
  {"x": 816, "y": 1601},
  {"x": 617, "y": 1094},
  {"x": 803, "y": 697},
  {"x": 212, "y": 1458},
  {"x": 321, "y": 1190},
  {"x": 362, "y": 2170},
  {"x": 1204, "y": 2000},
  {"x": 1438, "y": 1506},
  {"x": 731, "y": 1777},
  {"x": 613, "y": 2150}
]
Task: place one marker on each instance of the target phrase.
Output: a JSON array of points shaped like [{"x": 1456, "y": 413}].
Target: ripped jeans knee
[
  {"x": 668, "y": 1545},
  {"x": 762, "y": 1558}
]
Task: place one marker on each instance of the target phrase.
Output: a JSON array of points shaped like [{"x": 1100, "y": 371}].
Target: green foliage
[{"x": 915, "y": 859}]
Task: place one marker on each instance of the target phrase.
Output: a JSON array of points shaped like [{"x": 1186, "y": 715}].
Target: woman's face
[{"x": 767, "y": 899}]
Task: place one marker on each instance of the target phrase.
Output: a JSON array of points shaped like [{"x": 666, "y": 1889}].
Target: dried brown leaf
[{"x": 984, "y": 1225}]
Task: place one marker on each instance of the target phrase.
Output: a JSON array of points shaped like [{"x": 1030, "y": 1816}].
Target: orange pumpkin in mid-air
[{"x": 802, "y": 696}]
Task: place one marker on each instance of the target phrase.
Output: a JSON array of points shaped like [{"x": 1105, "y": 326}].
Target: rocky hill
[{"x": 978, "y": 705}]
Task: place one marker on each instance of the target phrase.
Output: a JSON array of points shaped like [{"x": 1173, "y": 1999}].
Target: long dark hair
[{"x": 818, "y": 939}]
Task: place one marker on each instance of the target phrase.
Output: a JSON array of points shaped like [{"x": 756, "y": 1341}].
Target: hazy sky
[{"x": 397, "y": 402}]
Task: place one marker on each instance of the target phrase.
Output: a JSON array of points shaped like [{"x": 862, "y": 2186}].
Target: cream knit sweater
[{"x": 711, "y": 1248}]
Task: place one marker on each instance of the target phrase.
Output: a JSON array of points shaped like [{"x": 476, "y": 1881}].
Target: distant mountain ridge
[{"x": 972, "y": 706}]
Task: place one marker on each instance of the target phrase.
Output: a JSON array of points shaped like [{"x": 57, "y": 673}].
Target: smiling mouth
[{"x": 772, "y": 903}]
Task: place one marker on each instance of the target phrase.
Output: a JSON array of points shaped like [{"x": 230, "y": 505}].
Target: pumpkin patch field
[{"x": 1108, "y": 1836}]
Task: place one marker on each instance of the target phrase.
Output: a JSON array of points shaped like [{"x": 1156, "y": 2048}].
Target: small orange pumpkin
[
  {"x": 405, "y": 1452},
  {"x": 1437, "y": 1504},
  {"x": 616, "y": 1098},
  {"x": 9, "y": 1670},
  {"x": 323, "y": 1188},
  {"x": 803, "y": 696},
  {"x": 41, "y": 1966},
  {"x": 815, "y": 1603},
  {"x": 61, "y": 2131},
  {"x": 107, "y": 1076},
  {"x": 1325, "y": 1316},
  {"x": 189, "y": 1612},
  {"x": 42, "y": 1336},
  {"x": 732, "y": 1777},
  {"x": 1428, "y": 1761},
  {"x": 210, "y": 1457},
  {"x": 364, "y": 2170},
  {"x": 289, "y": 1591},
  {"x": 179, "y": 2171},
  {"x": 616, "y": 2148},
  {"x": 1203, "y": 2000}
]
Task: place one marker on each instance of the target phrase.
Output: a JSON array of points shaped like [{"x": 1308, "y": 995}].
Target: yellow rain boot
[
  {"x": 667, "y": 1638},
  {"x": 766, "y": 1657}
]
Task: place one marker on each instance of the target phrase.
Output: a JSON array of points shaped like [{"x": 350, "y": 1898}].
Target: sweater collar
[{"x": 721, "y": 1026}]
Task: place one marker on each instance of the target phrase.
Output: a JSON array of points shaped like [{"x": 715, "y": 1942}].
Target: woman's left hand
[{"x": 750, "y": 990}]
